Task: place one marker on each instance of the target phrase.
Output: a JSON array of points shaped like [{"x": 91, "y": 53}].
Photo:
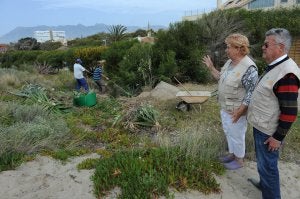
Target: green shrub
[
  {"x": 136, "y": 68},
  {"x": 89, "y": 56},
  {"x": 55, "y": 58},
  {"x": 168, "y": 66},
  {"x": 50, "y": 45},
  {"x": 17, "y": 58}
]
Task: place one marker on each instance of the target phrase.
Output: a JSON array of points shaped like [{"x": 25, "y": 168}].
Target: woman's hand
[
  {"x": 237, "y": 113},
  {"x": 210, "y": 65},
  {"x": 207, "y": 61}
]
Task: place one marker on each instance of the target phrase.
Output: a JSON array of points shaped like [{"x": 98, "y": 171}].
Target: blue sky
[{"x": 28, "y": 13}]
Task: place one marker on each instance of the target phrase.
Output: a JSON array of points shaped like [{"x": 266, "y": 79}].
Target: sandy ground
[{"x": 46, "y": 178}]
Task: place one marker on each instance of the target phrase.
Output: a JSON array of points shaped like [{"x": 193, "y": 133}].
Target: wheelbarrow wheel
[{"x": 183, "y": 106}]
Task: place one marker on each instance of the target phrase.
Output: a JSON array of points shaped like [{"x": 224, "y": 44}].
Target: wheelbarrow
[{"x": 191, "y": 97}]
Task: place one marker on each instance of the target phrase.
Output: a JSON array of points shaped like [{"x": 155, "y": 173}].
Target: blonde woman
[{"x": 237, "y": 80}]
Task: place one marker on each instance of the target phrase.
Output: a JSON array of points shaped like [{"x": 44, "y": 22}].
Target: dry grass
[{"x": 10, "y": 78}]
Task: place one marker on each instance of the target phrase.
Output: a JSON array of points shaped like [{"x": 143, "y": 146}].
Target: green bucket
[{"x": 88, "y": 99}]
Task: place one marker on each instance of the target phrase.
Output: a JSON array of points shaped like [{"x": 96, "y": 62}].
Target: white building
[
  {"x": 49, "y": 35},
  {"x": 258, "y": 4},
  {"x": 246, "y": 4}
]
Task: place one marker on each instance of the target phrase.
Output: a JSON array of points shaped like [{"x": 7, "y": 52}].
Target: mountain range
[{"x": 72, "y": 31}]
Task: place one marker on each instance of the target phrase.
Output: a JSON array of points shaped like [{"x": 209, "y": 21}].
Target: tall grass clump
[
  {"x": 11, "y": 78},
  {"x": 110, "y": 110},
  {"x": 28, "y": 129},
  {"x": 109, "y": 107},
  {"x": 198, "y": 132},
  {"x": 63, "y": 80},
  {"x": 28, "y": 113},
  {"x": 10, "y": 160},
  {"x": 148, "y": 173},
  {"x": 196, "y": 144}
]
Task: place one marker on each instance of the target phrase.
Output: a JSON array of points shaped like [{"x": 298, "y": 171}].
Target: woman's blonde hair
[{"x": 239, "y": 41}]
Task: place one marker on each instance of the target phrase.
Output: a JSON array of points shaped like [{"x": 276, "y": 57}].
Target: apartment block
[
  {"x": 49, "y": 35},
  {"x": 258, "y": 4},
  {"x": 246, "y": 4}
]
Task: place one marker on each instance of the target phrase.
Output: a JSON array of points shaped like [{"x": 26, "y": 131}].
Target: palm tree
[{"x": 117, "y": 32}]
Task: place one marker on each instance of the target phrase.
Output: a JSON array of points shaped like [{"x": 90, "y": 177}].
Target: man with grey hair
[{"x": 273, "y": 109}]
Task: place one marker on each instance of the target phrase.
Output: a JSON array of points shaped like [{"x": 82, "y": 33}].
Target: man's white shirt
[{"x": 78, "y": 71}]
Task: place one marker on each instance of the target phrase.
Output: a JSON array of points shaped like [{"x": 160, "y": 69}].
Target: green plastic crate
[{"x": 88, "y": 99}]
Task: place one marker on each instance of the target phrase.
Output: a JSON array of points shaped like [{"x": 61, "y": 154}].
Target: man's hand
[{"x": 273, "y": 144}]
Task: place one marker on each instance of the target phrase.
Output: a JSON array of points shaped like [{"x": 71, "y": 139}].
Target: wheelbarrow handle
[{"x": 182, "y": 85}]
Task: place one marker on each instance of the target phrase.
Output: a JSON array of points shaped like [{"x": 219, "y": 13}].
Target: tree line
[{"x": 177, "y": 51}]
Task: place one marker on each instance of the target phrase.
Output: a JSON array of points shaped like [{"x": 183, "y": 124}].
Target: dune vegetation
[{"x": 146, "y": 145}]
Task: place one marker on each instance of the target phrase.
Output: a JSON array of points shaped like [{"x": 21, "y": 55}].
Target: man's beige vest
[
  {"x": 231, "y": 91},
  {"x": 263, "y": 111}
]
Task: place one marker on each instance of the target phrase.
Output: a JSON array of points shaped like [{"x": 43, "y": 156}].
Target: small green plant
[
  {"x": 64, "y": 154},
  {"x": 89, "y": 163},
  {"x": 104, "y": 153},
  {"x": 146, "y": 115},
  {"x": 10, "y": 160},
  {"x": 118, "y": 139},
  {"x": 61, "y": 155}
]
